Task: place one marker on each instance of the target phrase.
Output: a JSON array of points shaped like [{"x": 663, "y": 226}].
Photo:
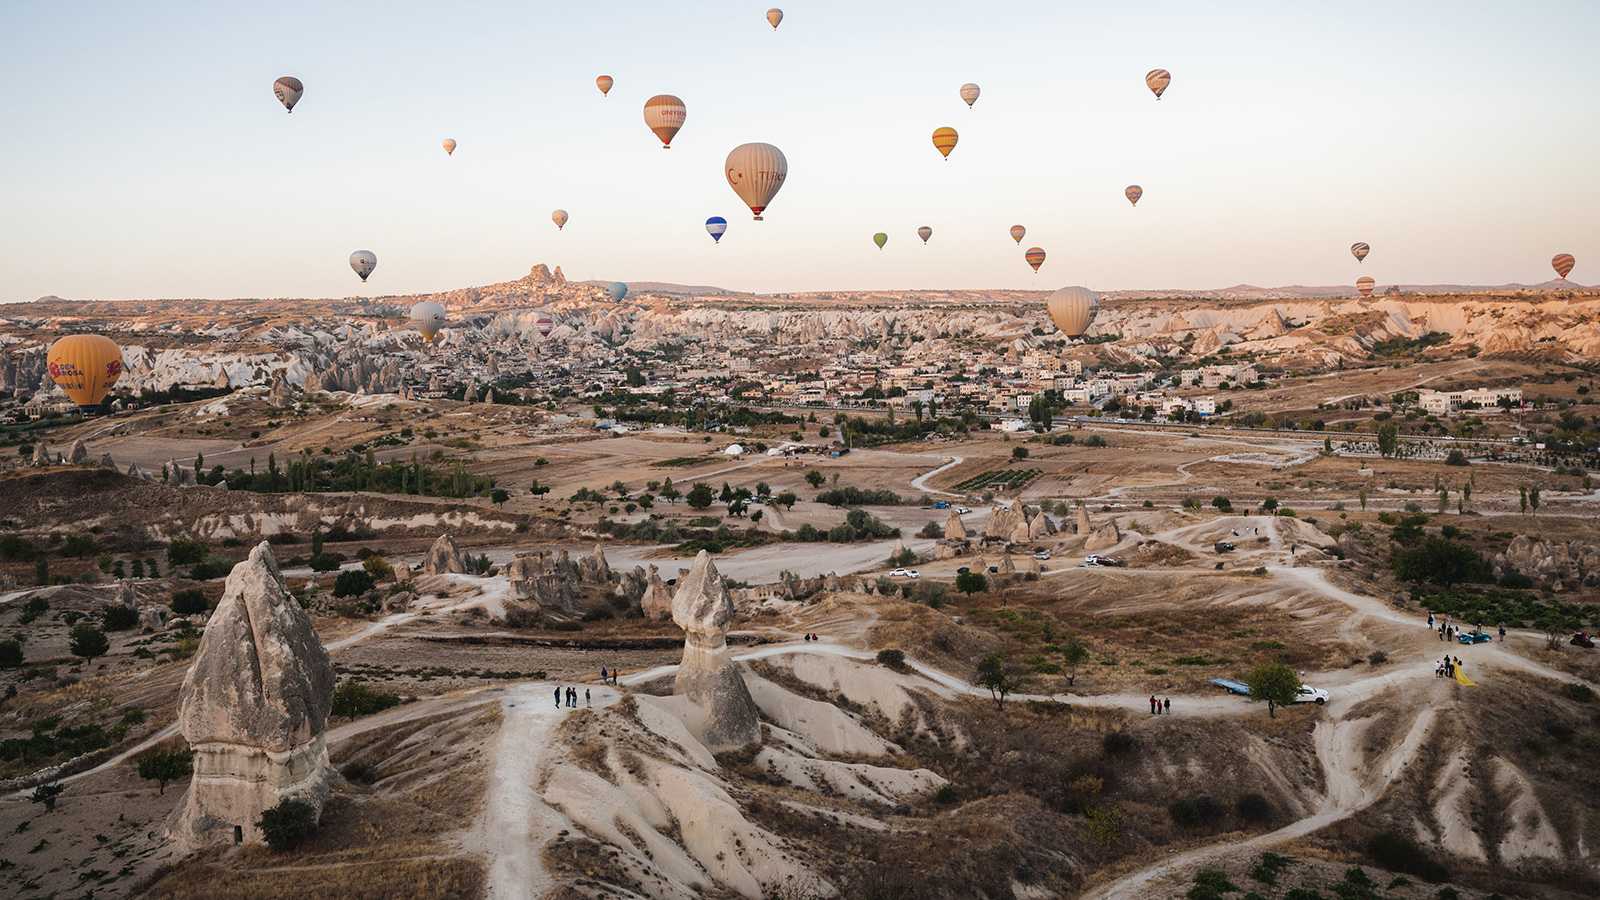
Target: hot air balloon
[
  {"x": 880, "y": 239},
  {"x": 1360, "y": 250},
  {"x": 560, "y": 218},
  {"x": 1364, "y": 285},
  {"x": 449, "y": 146},
  {"x": 924, "y": 232},
  {"x": 85, "y": 366},
  {"x": 944, "y": 140},
  {"x": 363, "y": 262},
  {"x": 1017, "y": 231},
  {"x": 664, "y": 114},
  {"x": 1157, "y": 80},
  {"x": 774, "y": 16},
  {"x": 756, "y": 172},
  {"x": 427, "y": 318},
  {"x": 616, "y": 290},
  {"x": 545, "y": 324},
  {"x": 1073, "y": 310},
  {"x": 604, "y": 83},
  {"x": 1133, "y": 193},
  {"x": 1563, "y": 263},
  {"x": 288, "y": 90},
  {"x": 715, "y": 226},
  {"x": 969, "y": 93},
  {"x": 1035, "y": 257}
]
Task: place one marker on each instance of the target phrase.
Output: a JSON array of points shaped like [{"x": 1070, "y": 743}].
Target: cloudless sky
[{"x": 145, "y": 156}]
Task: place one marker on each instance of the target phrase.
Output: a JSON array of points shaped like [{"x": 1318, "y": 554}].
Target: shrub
[
  {"x": 209, "y": 569},
  {"x": 116, "y": 617},
  {"x": 931, "y": 530},
  {"x": 10, "y": 654},
  {"x": 1222, "y": 503},
  {"x": 353, "y": 699},
  {"x": 184, "y": 552},
  {"x": 189, "y": 602},
  {"x": 893, "y": 658},
  {"x": 359, "y": 772},
  {"x": 1399, "y": 853},
  {"x": 288, "y": 824},
  {"x": 1192, "y": 812},
  {"x": 163, "y": 766},
  {"x": 1268, "y": 867},
  {"x": 1574, "y": 691},
  {"x": 1019, "y": 452},
  {"x": 1118, "y": 743},
  {"x": 88, "y": 642},
  {"x": 1253, "y": 807},
  {"x": 1377, "y": 658},
  {"x": 1455, "y": 458},
  {"x": 352, "y": 583},
  {"x": 1211, "y": 884},
  {"x": 378, "y": 567},
  {"x": 325, "y": 562},
  {"x": 971, "y": 583}
]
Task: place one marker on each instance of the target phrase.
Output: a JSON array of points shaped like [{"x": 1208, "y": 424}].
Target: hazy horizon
[{"x": 151, "y": 160}]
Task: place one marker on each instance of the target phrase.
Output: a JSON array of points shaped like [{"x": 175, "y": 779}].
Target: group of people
[
  {"x": 1160, "y": 707},
  {"x": 1447, "y": 667},
  {"x": 813, "y": 637},
  {"x": 570, "y": 694},
  {"x": 1449, "y": 630},
  {"x": 609, "y": 676}
]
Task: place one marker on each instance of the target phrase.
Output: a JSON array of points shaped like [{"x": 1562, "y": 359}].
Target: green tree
[
  {"x": 41, "y": 570},
  {"x": 1019, "y": 452},
  {"x": 1074, "y": 654},
  {"x": 700, "y": 496},
  {"x": 10, "y": 653},
  {"x": 499, "y": 496},
  {"x": 88, "y": 642},
  {"x": 166, "y": 765},
  {"x": 288, "y": 824},
  {"x": 971, "y": 583},
  {"x": 47, "y": 794},
  {"x": 1533, "y": 499},
  {"x": 116, "y": 617},
  {"x": 188, "y": 602},
  {"x": 352, "y": 583},
  {"x": 669, "y": 492},
  {"x": 1275, "y": 683},
  {"x": 1441, "y": 561},
  {"x": 814, "y": 478},
  {"x": 1522, "y": 499},
  {"x": 1363, "y": 499},
  {"x": 994, "y": 674},
  {"x": 1270, "y": 505},
  {"x": 1388, "y": 439},
  {"x": 316, "y": 541}
]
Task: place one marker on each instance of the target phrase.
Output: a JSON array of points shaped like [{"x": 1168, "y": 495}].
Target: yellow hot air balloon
[
  {"x": 969, "y": 93},
  {"x": 665, "y": 114},
  {"x": 560, "y": 218},
  {"x": 1035, "y": 258},
  {"x": 1364, "y": 285},
  {"x": 1073, "y": 310},
  {"x": 1017, "y": 231},
  {"x": 1563, "y": 263},
  {"x": 85, "y": 366},
  {"x": 924, "y": 232},
  {"x": 1360, "y": 250},
  {"x": 756, "y": 172},
  {"x": 449, "y": 146},
  {"x": 1157, "y": 80},
  {"x": 944, "y": 140},
  {"x": 1133, "y": 193},
  {"x": 604, "y": 83},
  {"x": 774, "y": 16}
]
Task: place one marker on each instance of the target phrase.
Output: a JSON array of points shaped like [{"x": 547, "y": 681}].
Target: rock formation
[
  {"x": 106, "y": 462},
  {"x": 594, "y": 568},
  {"x": 1564, "y": 564},
  {"x": 41, "y": 454},
  {"x": 708, "y": 676},
  {"x": 253, "y": 707},
  {"x": 1083, "y": 519},
  {"x": 657, "y": 600},
  {"x": 532, "y": 579},
  {"x": 1004, "y": 522},
  {"x": 1040, "y": 526},
  {"x": 954, "y": 530},
  {"x": 633, "y": 585},
  {"x": 443, "y": 558},
  {"x": 1105, "y": 536},
  {"x": 1007, "y": 567},
  {"x": 79, "y": 454}
]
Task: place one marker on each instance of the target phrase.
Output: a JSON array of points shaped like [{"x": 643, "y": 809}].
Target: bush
[
  {"x": 1195, "y": 812},
  {"x": 894, "y": 659},
  {"x": 1377, "y": 658},
  {"x": 1222, "y": 503},
  {"x": 164, "y": 766},
  {"x": 189, "y": 602},
  {"x": 1442, "y": 562},
  {"x": 1019, "y": 452},
  {"x": 352, "y": 583},
  {"x": 931, "y": 530},
  {"x": 1574, "y": 691},
  {"x": 325, "y": 562},
  {"x": 1455, "y": 458},
  {"x": 353, "y": 699},
  {"x": 1118, "y": 743},
  {"x": 971, "y": 583},
  {"x": 288, "y": 824},
  {"x": 211, "y": 568},
  {"x": 1253, "y": 807},
  {"x": 10, "y": 654},
  {"x": 184, "y": 552},
  {"x": 378, "y": 567},
  {"x": 117, "y": 617},
  {"x": 1399, "y": 853},
  {"x": 88, "y": 642}
]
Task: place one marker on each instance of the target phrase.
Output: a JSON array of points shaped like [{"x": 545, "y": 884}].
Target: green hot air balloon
[
  {"x": 880, "y": 239},
  {"x": 617, "y": 290}
]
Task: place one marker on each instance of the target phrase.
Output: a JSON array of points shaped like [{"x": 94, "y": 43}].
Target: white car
[
  {"x": 1041, "y": 555},
  {"x": 905, "y": 573},
  {"x": 962, "y": 510},
  {"x": 1308, "y": 694}
]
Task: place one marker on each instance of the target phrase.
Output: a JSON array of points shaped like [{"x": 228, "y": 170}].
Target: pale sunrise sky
[{"x": 145, "y": 155}]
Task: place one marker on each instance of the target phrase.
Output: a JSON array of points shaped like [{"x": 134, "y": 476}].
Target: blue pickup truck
[
  {"x": 1232, "y": 687},
  {"x": 941, "y": 504}
]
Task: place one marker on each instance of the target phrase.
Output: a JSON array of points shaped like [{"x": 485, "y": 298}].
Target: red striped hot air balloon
[
  {"x": 1133, "y": 193},
  {"x": 1364, "y": 285},
  {"x": 1035, "y": 258},
  {"x": 944, "y": 140},
  {"x": 1017, "y": 231},
  {"x": 1360, "y": 250},
  {"x": 1563, "y": 263},
  {"x": 1157, "y": 80}
]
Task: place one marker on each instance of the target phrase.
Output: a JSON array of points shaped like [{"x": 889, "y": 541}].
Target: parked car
[
  {"x": 1094, "y": 560},
  {"x": 1474, "y": 637},
  {"x": 1583, "y": 639},
  {"x": 905, "y": 573},
  {"x": 1041, "y": 555},
  {"x": 1308, "y": 694},
  {"x": 1223, "y": 546},
  {"x": 993, "y": 570},
  {"x": 963, "y": 570},
  {"x": 941, "y": 504},
  {"x": 962, "y": 510}
]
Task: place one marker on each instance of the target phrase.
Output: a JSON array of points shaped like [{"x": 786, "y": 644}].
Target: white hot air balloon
[
  {"x": 288, "y": 90},
  {"x": 1073, "y": 310},
  {"x": 449, "y": 146},
  {"x": 756, "y": 172},
  {"x": 560, "y": 218},
  {"x": 427, "y": 318},
  {"x": 969, "y": 93},
  {"x": 363, "y": 262}
]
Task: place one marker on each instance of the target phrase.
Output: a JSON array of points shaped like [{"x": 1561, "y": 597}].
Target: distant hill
[{"x": 1301, "y": 291}]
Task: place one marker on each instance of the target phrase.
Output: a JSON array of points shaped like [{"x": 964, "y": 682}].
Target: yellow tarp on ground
[{"x": 1463, "y": 679}]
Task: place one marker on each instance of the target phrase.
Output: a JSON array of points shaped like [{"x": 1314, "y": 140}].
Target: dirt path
[{"x": 920, "y": 483}]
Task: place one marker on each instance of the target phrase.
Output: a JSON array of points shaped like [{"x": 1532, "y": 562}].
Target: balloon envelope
[
  {"x": 1360, "y": 250},
  {"x": 604, "y": 83},
  {"x": 1563, "y": 263},
  {"x": 560, "y": 218},
  {"x": 924, "y": 232},
  {"x": 288, "y": 90},
  {"x": 616, "y": 290},
  {"x": 969, "y": 93},
  {"x": 1035, "y": 257},
  {"x": 1073, "y": 310},
  {"x": 944, "y": 140},
  {"x": 715, "y": 226},
  {"x": 1365, "y": 284},
  {"x": 428, "y": 317},
  {"x": 1133, "y": 193},
  {"x": 85, "y": 366},
  {"x": 774, "y": 16},
  {"x": 1157, "y": 80},
  {"x": 449, "y": 146},
  {"x": 1017, "y": 231},
  {"x": 880, "y": 239},
  {"x": 363, "y": 262},
  {"x": 756, "y": 172},
  {"x": 665, "y": 114}
]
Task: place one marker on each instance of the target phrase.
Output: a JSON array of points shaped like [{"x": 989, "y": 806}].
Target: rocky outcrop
[
  {"x": 443, "y": 558},
  {"x": 1040, "y": 526},
  {"x": 532, "y": 579},
  {"x": 254, "y": 706},
  {"x": 79, "y": 454},
  {"x": 708, "y": 676},
  {"x": 657, "y": 600},
  {"x": 106, "y": 462},
  {"x": 1003, "y": 524},
  {"x": 1007, "y": 567},
  {"x": 954, "y": 530},
  {"x": 41, "y": 454},
  {"x": 633, "y": 585},
  {"x": 1105, "y": 536},
  {"x": 1082, "y": 521},
  {"x": 1564, "y": 564},
  {"x": 594, "y": 568}
]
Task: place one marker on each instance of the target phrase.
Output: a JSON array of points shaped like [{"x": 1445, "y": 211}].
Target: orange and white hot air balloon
[
  {"x": 665, "y": 114},
  {"x": 1017, "y": 233},
  {"x": 560, "y": 218},
  {"x": 1157, "y": 80},
  {"x": 944, "y": 140},
  {"x": 1359, "y": 250},
  {"x": 1364, "y": 285},
  {"x": 1073, "y": 310},
  {"x": 774, "y": 16},
  {"x": 449, "y": 146},
  {"x": 969, "y": 93},
  {"x": 1563, "y": 263},
  {"x": 85, "y": 366},
  {"x": 1035, "y": 257},
  {"x": 288, "y": 90},
  {"x": 1133, "y": 193},
  {"x": 604, "y": 83},
  {"x": 756, "y": 172}
]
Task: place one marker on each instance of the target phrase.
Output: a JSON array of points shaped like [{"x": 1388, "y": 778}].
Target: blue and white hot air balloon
[
  {"x": 715, "y": 226},
  {"x": 617, "y": 290}
]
